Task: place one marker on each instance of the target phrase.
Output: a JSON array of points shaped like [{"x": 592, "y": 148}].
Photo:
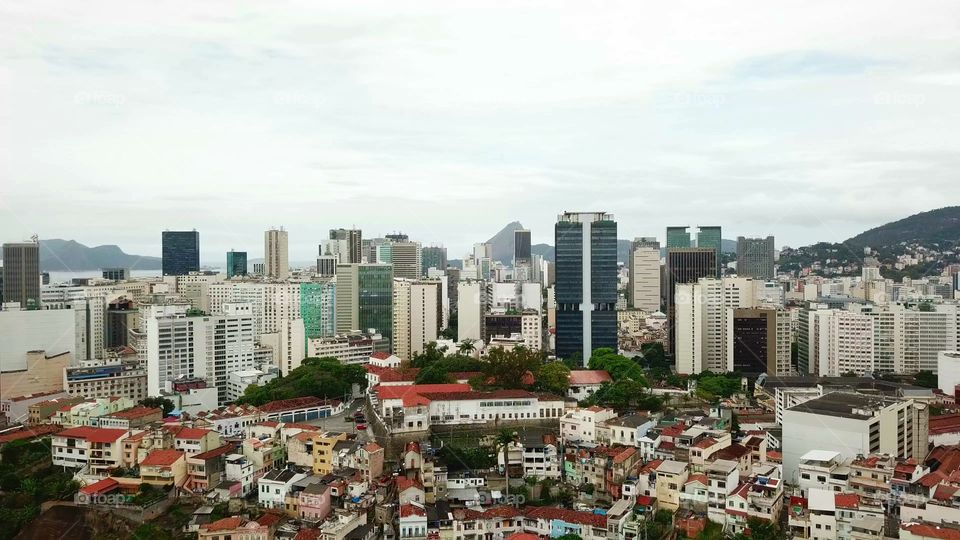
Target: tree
[
  {"x": 926, "y": 379},
  {"x": 761, "y": 529},
  {"x": 321, "y": 377},
  {"x": 509, "y": 368},
  {"x": 618, "y": 366},
  {"x": 466, "y": 346},
  {"x": 435, "y": 374},
  {"x": 159, "y": 403},
  {"x": 503, "y": 441},
  {"x": 554, "y": 377},
  {"x": 431, "y": 354}
]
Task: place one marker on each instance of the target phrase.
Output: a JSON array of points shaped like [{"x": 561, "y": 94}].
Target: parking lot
[{"x": 341, "y": 424}]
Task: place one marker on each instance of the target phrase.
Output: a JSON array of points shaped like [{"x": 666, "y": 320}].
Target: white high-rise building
[
  {"x": 844, "y": 342},
  {"x": 644, "y": 290},
  {"x": 407, "y": 259},
  {"x": 401, "y": 318},
  {"x": 531, "y": 328},
  {"x": 195, "y": 288},
  {"x": 703, "y": 319},
  {"x": 275, "y": 255},
  {"x": 206, "y": 347},
  {"x": 471, "y": 306}
]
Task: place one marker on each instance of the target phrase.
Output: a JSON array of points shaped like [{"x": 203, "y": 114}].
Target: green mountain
[
  {"x": 58, "y": 255},
  {"x": 934, "y": 227}
]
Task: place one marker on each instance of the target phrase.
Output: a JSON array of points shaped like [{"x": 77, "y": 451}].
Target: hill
[
  {"x": 926, "y": 228},
  {"x": 58, "y": 255}
]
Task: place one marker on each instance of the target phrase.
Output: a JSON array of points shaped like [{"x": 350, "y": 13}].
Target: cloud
[{"x": 806, "y": 120}]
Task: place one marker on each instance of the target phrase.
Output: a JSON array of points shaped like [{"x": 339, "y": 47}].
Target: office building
[
  {"x": 703, "y": 317},
  {"x": 586, "y": 286},
  {"x": 471, "y": 307},
  {"x": 521, "y": 247},
  {"x": 125, "y": 379},
  {"x": 120, "y": 317},
  {"x": 407, "y": 260},
  {"x": 755, "y": 257},
  {"x": 116, "y": 274},
  {"x": 685, "y": 265},
  {"x": 854, "y": 424},
  {"x": 417, "y": 316},
  {"x": 348, "y": 348},
  {"x": 758, "y": 341},
  {"x": 433, "y": 257},
  {"x": 275, "y": 254},
  {"x": 326, "y": 266},
  {"x": 678, "y": 237},
  {"x": 181, "y": 252},
  {"x": 364, "y": 299},
  {"x": 236, "y": 263},
  {"x": 644, "y": 266},
  {"x": 21, "y": 274},
  {"x": 348, "y": 245},
  {"x": 318, "y": 308}
]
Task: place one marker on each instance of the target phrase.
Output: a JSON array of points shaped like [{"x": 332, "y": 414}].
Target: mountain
[
  {"x": 58, "y": 255},
  {"x": 933, "y": 227},
  {"x": 503, "y": 243}
]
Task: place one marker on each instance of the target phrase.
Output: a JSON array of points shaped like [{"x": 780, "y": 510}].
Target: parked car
[{"x": 361, "y": 427}]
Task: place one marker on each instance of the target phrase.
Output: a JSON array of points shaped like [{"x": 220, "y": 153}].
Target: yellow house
[
  {"x": 671, "y": 476},
  {"x": 164, "y": 467},
  {"x": 323, "y": 451}
]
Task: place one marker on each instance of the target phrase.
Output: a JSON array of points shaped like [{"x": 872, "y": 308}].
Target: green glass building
[
  {"x": 710, "y": 238},
  {"x": 236, "y": 263},
  {"x": 317, "y": 307},
  {"x": 678, "y": 237},
  {"x": 364, "y": 299}
]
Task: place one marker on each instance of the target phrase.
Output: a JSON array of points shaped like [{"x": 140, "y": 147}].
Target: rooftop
[{"x": 844, "y": 405}]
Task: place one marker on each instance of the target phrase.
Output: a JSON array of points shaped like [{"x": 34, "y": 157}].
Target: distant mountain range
[
  {"x": 58, "y": 255},
  {"x": 934, "y": 227}
]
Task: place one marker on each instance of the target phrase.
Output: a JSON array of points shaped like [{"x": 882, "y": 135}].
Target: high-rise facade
[
  {"x": 364, "y": 299},
  {"x": 758, "y": 341},
  {"x": 702, "y": 319},
  {"x": 181, "y": 252},
  {"x": 711, "y": 238},
  {"x": 678, "y": 237},
  {"x": 433, "y": 257},
  {"x": 755, "y": 257},
  {"x": 586, "y": 283},
  {"x": 350, "y": 245},
  {"x": 275, "y": 254},
  {"x": 236, "y": 263},
  {"x": 521, "y": 247},
  {"x": 317, "y": 307},
  {"x": 685, "y": 265},
  {"x": 21, "y": 274},
  {"x": 326, "y": 265},
  {"x": 407, "y": 260},
  {"x": 644, "y": 266}
]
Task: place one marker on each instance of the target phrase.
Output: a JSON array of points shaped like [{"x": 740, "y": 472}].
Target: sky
[{"x": 809, "y": 120}]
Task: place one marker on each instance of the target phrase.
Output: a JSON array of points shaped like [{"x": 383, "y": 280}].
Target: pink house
[{"x": 315, "y": 502}]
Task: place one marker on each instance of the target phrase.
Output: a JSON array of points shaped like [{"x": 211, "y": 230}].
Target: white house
[
  {"x": 274, "y": 486},
  {"x": 580, "y": 425},
  {"x": 584, "y": 382}
]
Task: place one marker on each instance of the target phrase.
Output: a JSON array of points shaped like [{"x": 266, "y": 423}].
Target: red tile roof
[
  {"x": 380, "y": 355},
  {"x": 269, "y": 519},
  {"x": 410, "y": 394},
  {"x": 103, "y": 486},
  {"x": 372, "y": 447},
  {"x": 30, "y": 432},
  {"x": 404, "y": 483},
  {"x": 466, "y": 396},
  {"x": 296, "y": 403},
  {"x": 589, "y": 376},
  {"x": 624, "y": 455},
  {"x": 216, "y": 452},
  {"x": 192, "y": 434},
  {"x": 550, "y": 513},
  {"x": 93, "y": 434},
  {"x": 846, "y": 500},
  {"x": 306, "y": 533},
  {"x": 225, "y": 524},
  {"x": 706, "y": 442},
  {"x": 162, "y": 458},
  {"x": 136, "y": 412},
  {"x": 702, "y": 478},
  {"x": 931, "y": 531},
  {"x": 945, "y": 492},
  {"x": 408, "y": 510}
]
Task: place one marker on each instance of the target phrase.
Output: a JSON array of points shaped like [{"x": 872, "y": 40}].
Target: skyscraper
[
  {"x": 644, "y": 266},
  {"x": 275, "y": 254},
  {"x": 351, "y": 250},
  {"x": 755, "y": 257},
  {"x": 433, "y": 257},
  {"x": 586, "y": 283},
  {"x": 21, "y": 273},
  {"x": 521, "y": 247},
  {"x": 364, "y": 298},
  {"x": 407, "y": 259},
  {"x": 236, "y": 263},
  {"x": 711, "y": 238},
  {"x": 678, "y": 237},
  {"x": 685, "y": 265},
  {"x": 181, "y": 252},
  {"x": 326, "y": 265}
]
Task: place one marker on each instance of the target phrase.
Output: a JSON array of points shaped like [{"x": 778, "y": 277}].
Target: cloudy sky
[{"x": 809, "y": 120}]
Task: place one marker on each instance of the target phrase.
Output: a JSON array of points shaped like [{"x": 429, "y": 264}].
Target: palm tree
[
  {"x": 504, "y": 438},
  {"x": 466, "y": 346}
]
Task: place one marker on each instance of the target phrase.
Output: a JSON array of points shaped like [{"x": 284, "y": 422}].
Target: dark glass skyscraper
[
  {"x": 21, "y": 274},
  {"x": 521, "y": 247},
  {"x": 755, "y": 257},
  {"x": 236, "y": 263},
  {"x": 685, "y": 265},
  {"x": 181, "y": 252},
  {"x": 433, "y": 257},
  {"x": 586, "y": 283}
]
